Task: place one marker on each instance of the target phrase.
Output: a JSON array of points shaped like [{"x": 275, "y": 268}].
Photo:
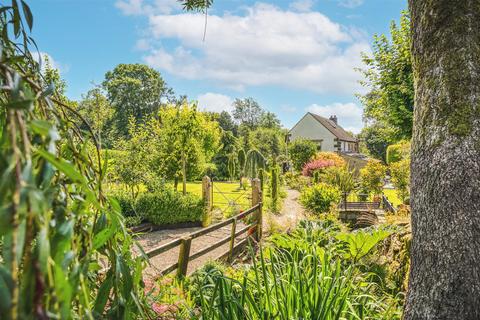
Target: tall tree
[
  {"x": 389, "y": 78},
  {"x": 376, "y": 138},
  {"x": 247, "y": 112},
  {"x": 445, "y": 188},
  {"x": 96, "y": 109},
  {"x": 134, "y": 90}
]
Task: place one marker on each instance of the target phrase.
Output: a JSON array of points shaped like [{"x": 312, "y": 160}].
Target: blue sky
[{"x": 291, "y": 56}]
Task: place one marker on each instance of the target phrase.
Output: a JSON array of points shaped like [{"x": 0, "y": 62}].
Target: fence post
[
  {"x": 207, "y": 198},
  {"x": 232, "y": 239},
  {"x": 183, "y": 257},
  {"x": 257, "y": 199}
]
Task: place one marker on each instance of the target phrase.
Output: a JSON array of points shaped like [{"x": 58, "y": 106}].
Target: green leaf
[
  {"x": 21, "y": 104},
  {"x": 102, "y": 237},
  {"x": 40, "y": 127},
  {"x": 103, "y": 294},
  {"x": 28, "y": 15},
  {"x": 43, "y": 247},
  {"x": 64, "y": 166},
  {"x": 6, "y": 285}
]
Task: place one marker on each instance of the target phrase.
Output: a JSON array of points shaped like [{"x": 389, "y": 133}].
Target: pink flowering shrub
[{"x": 315, "y": 165}]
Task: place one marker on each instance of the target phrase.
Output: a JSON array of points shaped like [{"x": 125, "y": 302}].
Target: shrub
[
  {"x": 170, "y": 207},
  {"x": 372, "y": 176},
  {"x": 301, "y": 151},
  {"x": 340, "y": 177},
  {"x": 318, "y": 198},
  {"x": 338, "y": 161},
  {"x": 301, "y": 275},
  {"x": 316, "y": 165},
  {"x": 316, "y": 176},
  {"x": 274, "y": 189},
  {"x": 296, "y": 181},
  {"x": 400, "y": 172},
  {"x": 398, "y": 151},
  {"x": 126, "y": 202}
]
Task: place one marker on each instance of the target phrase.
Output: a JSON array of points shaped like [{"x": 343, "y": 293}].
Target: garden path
[
  {"x": 291, "y": 213},
  {"x": 154, "y": 239}
]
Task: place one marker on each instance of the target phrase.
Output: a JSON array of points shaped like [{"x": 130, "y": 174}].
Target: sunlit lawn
[
  {"x": 392, "y": 196},
  {"x": 225, "y": 194}
]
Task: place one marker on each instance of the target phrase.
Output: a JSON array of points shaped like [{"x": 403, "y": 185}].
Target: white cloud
[
  {"x": 215, "y": 102},
  {"x": 142, "y": 45},
  {"x": 145, "y": 7},
  {"x": 41, "y": 58},
  {"x": 301, "y": 5},
  {"x": 266, "y": 46},
  {"x": 349, "y": 114},
  {"x": 351, "y": 3}
]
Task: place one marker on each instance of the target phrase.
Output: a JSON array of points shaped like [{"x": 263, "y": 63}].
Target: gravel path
[
  {"x": 292, "y": 211},
  {"x": 154, "y": 239}
]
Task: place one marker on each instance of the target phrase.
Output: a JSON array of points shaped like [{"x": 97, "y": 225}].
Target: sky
[{"x": 292, "y": 56}]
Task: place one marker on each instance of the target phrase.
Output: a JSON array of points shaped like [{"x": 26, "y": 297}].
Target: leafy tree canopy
[
  {"x": 389, "y": 78},
  {"x": 247, "y": 112},
  {"x": 134, "y": 90}
]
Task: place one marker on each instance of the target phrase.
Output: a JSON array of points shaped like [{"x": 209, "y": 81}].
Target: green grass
[
  {"x": 392, "y": 196},
  {"x": 225, "y": 194}
]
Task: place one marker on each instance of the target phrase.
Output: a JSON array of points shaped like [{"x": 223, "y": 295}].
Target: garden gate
[{"x": 239, "y": 226}]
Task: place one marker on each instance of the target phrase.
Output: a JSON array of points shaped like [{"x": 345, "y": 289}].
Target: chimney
[{"x": 334, "y": 119}]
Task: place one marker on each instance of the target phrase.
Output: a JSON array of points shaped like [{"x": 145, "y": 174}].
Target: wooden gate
[{"x": 252, "y": 229}]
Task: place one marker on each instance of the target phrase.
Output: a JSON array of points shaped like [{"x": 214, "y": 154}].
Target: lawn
[
  {"x": 225, "y": 194},
  {"x": 392, "y": 196}
]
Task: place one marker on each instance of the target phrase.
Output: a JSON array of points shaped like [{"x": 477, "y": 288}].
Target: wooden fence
[{"x": 254, "y": 230}]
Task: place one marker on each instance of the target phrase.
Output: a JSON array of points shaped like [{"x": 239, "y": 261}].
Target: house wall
[{"x": 309, "y": 128}]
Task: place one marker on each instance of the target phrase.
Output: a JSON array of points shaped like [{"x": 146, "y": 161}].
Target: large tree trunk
[{"x": 445, "y": 267}]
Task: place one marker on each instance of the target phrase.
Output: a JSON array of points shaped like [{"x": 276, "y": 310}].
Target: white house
[{"x": 326, "y": 132}]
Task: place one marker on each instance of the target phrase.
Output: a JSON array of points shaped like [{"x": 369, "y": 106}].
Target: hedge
[{"x": 170, "y": 207}]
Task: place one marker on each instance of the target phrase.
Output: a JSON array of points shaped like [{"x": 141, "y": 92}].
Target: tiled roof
[{"x": 334, "y": 128}]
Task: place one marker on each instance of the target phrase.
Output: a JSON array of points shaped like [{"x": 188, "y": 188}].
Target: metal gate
[{"x": 232, "y": 201}]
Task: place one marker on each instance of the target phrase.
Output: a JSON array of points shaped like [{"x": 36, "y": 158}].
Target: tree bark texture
[{"x": 445, "y": 184}]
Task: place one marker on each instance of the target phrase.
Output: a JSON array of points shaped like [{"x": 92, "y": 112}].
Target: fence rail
[
  {"x": 387, "y": 205},
  {"x": 185, "y": 243}
]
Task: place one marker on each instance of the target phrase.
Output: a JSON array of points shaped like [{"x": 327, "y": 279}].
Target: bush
[
  {"x": 126, "y": 202},
  {"x": 316, "y": 165},
  {"x": 400, "y": 172},
  {"x": 296, "y": 181},
  {"x": 398, "y": 151},
  {"x": 340, "y": 177},
  {"x": 301, "y": 151},
  {"x": 372, "y": 177},
  {"x": 318, "y": 198},
  {"x": 170, "y": 207},
  {"x": 338, "y": 161},
  {"x": 274, "y": 189}
]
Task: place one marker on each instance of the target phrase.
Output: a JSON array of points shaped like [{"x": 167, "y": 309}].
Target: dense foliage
[
  {"x": 316, "y": 166},
  {"x": 301, "y": 151},
  {"x": 398, "y": 151},
  {"x": 400, "y": 172},
  {"x": 389, "y": 77},
  {"x": 340, "y": 177},
  {"x": 320, "y": 197},
  {"x": 372, "y": 177},
  {"x": 317, "y": 272},
  {"x": 170, "y": 207},
  {"x": 135, "y": 91},
  {"x": 65, "y": 251}
]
